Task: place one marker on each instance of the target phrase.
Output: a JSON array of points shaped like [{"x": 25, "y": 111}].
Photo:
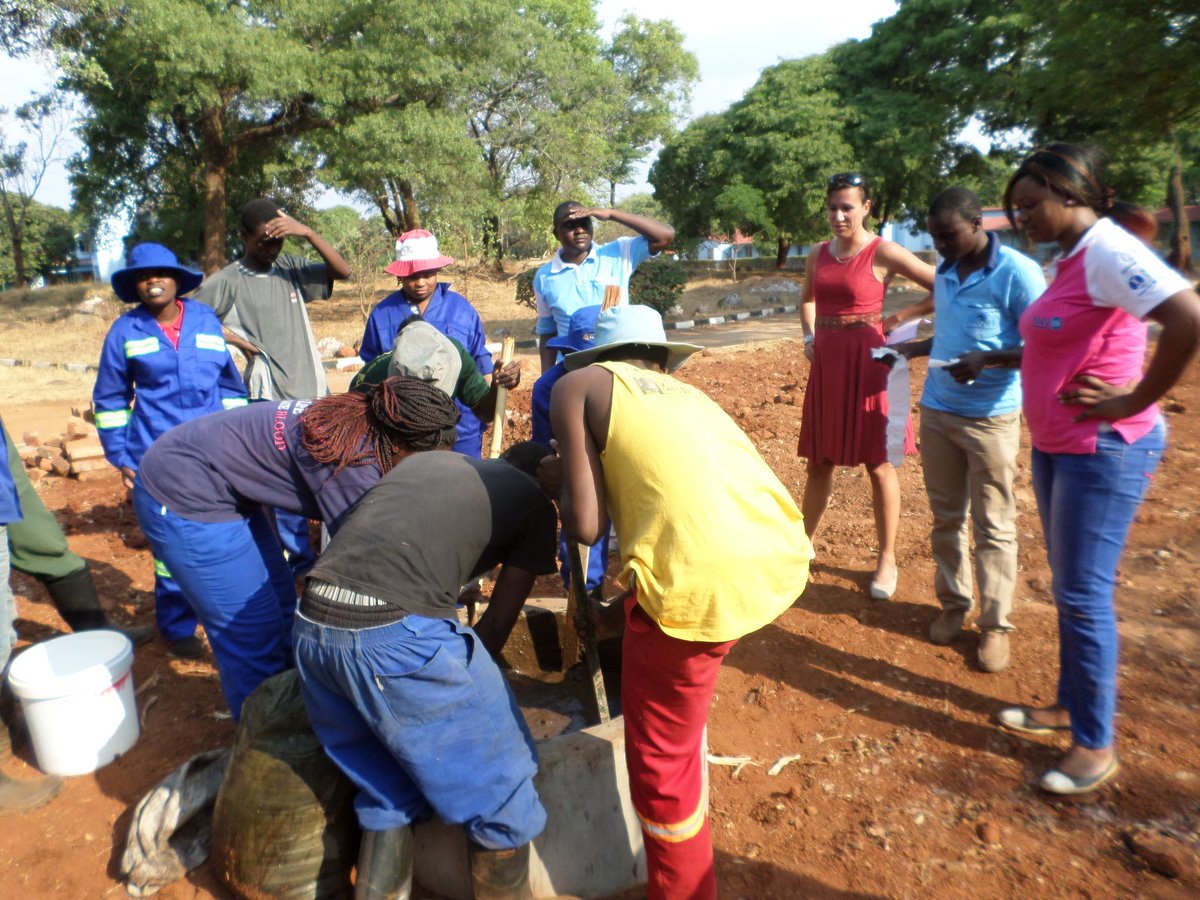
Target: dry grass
[{"x": 45, "y": 325}]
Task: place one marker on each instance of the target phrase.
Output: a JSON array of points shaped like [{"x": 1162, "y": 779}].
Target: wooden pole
[
  {"x": 579, "y": 612},
  {"x": 506, "y": 355}
]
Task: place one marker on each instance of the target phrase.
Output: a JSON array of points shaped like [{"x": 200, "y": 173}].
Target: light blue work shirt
[
  {"x": 980, "y": 313},
  {"x": 561, "y": 288}
]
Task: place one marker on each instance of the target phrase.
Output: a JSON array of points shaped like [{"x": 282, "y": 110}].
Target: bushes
[
  {"x": 525, "y": 289},
  {"x": 657, "y": 283}
]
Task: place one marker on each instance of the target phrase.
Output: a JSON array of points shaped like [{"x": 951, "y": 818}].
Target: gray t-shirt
[
  {"x": 267, "y": 309},
  {"x": 434, "y": 522}
]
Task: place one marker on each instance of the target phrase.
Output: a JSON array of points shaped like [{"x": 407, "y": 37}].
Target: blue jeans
[
  {"x": 235, "y": 577},
  {"x": 1087, "y": 503},
  {"x": 418, "y": 716}
]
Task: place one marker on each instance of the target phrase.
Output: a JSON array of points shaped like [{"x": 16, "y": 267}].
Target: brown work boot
[
  {"x": 993, "y": 650},
  {"x": 947, "y": 626},
  {"x": 22, "y": 796}
]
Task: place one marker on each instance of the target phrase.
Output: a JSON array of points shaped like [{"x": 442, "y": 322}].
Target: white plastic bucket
[{"x": 77, "y": 693}]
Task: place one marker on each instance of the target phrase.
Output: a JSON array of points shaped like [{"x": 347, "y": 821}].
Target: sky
[{"x": 732, "y": 46}]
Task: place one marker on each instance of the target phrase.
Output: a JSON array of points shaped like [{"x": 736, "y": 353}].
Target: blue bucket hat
[
  {"x": 152, "y": 256},
  {"x": 630, "y": 324},
  {"x": 581, "y": 332}
]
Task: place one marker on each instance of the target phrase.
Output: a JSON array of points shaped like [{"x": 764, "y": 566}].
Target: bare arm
[
  {"x": 921, "y": 308},
  {"x": 513, "y": 585},
  {"x": 658, "y": 235},
  {"x": 285, "y": 226},
  {"x": 581, "y": 503},
  {"x": 1177, "y": 347},
  {"x": 247, "y": 348},
  {"x": 902, "y": 262},
  {"x": 808, "y": 306}
]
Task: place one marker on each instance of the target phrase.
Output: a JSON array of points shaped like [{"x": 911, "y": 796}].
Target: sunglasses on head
[{"x": 846, "y": 179}]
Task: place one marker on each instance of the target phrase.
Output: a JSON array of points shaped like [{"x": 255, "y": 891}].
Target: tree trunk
[
  {"x": 217, "y": 159},
  {"x": 18, "y": 252},
  {"x": 493, "y": 247},
  {"x": 1181, "y": 242},
  {"x": 783, "y": 245},
  {"x": 612, "y": 194},
  {"x": 412, "y": 215}
]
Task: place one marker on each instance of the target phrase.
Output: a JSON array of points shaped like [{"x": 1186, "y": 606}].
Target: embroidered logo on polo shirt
[{"x": 1052, "y": 323}]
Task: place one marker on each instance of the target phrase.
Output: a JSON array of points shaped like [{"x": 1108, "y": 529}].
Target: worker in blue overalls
[{"x": 170, "y": 354}]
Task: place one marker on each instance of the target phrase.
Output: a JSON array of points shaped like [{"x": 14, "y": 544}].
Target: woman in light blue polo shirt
[{"x": 970, "y": 419}]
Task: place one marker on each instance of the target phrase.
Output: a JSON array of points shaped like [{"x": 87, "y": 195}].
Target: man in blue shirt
[
  {"x": 970, "y": 418},
  {"x": 582, "y": 270}
]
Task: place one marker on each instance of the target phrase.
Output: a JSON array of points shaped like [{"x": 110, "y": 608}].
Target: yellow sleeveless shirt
[{"x": 713, "y": 539}]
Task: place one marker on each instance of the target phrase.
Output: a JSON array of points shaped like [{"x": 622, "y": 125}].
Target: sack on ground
[
  {"x": 171, "y": 830},
  {"x": 284, "y": 824}
]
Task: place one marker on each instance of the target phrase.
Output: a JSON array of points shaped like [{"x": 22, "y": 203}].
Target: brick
[
  {"x": 35, "y": 474},
  {"x": 97, "y": 474},
  {"x": 44, "y": 465},
  {"x": 49, "y": 451},
  {"x": 84, "y": 448},
  {"x": 60, "y": 466},
  {"x": 87, "y": 465},
  {"x": 78, "y": 428},
  {"x": 31, "y": 438}
]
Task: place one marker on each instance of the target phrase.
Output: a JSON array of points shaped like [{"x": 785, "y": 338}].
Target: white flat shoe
[{"x": 883, "y": 589}]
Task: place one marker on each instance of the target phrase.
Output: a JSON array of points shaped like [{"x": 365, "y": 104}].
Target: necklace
[{"x": 844, "y": 260}]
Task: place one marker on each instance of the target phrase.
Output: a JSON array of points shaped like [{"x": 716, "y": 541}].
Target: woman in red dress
[{"x": 845, "y": 402}]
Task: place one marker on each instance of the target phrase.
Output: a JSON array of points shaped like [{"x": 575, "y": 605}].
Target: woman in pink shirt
[{"x": 1096, "y": 430}]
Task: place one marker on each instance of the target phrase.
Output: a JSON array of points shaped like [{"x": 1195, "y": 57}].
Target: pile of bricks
[{"x": 76, "y": 452}]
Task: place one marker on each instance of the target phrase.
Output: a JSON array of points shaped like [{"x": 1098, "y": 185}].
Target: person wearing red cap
[{"x": 417, "y": 264}]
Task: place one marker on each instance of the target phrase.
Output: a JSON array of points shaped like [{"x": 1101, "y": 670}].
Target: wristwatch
[{"x": 809, "y": 338}]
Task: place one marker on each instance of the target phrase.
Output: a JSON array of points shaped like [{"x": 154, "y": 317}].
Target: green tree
[
  {"x": 257, "y": 78},
  {"x": 29, "y": 142},
  {"x": 656, "y": 75},
  {"x": 772, "y": 150},
  {"x": 48, "y": 244}
]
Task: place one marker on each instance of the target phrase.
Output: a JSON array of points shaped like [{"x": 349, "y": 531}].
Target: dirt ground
[{"x": 902, "y": 786}]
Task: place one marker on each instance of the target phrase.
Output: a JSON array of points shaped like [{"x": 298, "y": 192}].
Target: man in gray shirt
[{"x": 260, "y": 299}]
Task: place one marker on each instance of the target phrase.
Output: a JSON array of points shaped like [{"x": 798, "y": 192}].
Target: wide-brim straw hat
[
  {"x": 148, "y": 256},
  {"x": 417, "y": 251},
  {"x": 630, "y": 324}
]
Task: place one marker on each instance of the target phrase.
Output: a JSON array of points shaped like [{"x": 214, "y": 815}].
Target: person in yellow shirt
[{"x": 713, "y": 547}]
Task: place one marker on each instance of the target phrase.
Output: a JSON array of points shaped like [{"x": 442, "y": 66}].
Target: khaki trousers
[{"x": 969, "y": 465}]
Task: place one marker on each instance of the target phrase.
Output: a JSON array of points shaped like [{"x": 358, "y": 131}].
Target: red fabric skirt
[{"x": 845, "y": 401}]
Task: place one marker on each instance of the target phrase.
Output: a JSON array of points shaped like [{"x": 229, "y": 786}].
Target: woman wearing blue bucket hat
[{"x": 170, "y": 353}]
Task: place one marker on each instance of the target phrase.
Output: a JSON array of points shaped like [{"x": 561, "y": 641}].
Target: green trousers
[{"x": 37, "y": 545}]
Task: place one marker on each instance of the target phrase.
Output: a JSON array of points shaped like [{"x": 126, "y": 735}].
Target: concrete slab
[{"x": 592, "y": 844}]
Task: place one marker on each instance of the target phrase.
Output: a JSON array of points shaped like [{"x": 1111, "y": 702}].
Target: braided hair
[{"x": 356, "y": 429}]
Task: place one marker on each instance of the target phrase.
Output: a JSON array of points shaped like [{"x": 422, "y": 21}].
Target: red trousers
[{"x": 667, "y": 686}]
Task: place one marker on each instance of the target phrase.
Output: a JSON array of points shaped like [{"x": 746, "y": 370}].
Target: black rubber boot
[
  {"x": 500, "y": 874},
  {"x": 22, "y": 796},
  {"x": 385, "y": 862},
  {"x": 74, "y": 596}
]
